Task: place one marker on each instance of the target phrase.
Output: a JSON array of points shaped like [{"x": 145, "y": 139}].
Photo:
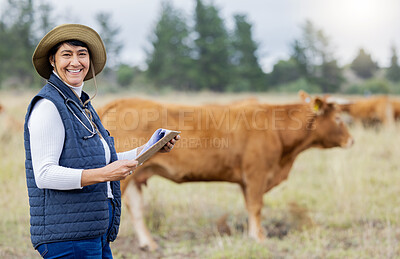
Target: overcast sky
[{"x": 350, "y": 24}]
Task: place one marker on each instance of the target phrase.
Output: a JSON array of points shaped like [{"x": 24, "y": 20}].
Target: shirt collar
[{"x": 76, "y": 89}]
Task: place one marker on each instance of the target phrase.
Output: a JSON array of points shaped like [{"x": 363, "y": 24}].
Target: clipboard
[{"x": 159, "y": 138}]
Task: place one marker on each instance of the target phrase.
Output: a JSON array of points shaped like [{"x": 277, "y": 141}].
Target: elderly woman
[{"x": 72, "y": 168}]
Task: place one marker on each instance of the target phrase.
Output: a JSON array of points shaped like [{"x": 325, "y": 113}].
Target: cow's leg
[
  {"x": 134, "y": 201},
  {"x": 253, "y": 198}
]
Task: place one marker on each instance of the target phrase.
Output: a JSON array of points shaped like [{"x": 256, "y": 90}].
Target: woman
[{"x": 72, "y": 168}]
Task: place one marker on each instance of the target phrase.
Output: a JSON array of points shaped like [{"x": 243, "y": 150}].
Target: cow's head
[{"x": 328, "y": 128}]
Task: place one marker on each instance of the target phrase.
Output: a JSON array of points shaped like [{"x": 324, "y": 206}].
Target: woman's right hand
[
  {"x": 120, "y": 169},
  {"x": 115, "y": 171}
]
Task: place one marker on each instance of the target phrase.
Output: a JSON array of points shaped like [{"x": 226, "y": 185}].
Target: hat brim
[{"x": 64, "y": 32}]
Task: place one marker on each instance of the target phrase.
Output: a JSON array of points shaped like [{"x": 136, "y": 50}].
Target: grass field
[{"x": 336, "y": 203}]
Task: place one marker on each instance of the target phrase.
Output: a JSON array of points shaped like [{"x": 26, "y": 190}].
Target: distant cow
[
  {"x": 252, "y": 145},
  {"x": 396, "y": 109},
  {"x": 9, "y": 121},
  {"x": 370, "y": 111}
]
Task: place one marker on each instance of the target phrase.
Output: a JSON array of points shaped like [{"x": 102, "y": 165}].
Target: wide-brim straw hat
[{"x": 66, "y": 32}]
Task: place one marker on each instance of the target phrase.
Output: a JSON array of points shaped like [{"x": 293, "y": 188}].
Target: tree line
[{"x": 195, "y": 53}]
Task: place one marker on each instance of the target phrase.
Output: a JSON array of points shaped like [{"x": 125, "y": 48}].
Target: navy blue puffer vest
[{"x": 74, "y": 214}]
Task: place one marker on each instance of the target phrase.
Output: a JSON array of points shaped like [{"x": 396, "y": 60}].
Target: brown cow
[
  {"x": 370, "y": 111},
  {"x": 252, "y": 145},
  {"x": 396, "y": 109}
]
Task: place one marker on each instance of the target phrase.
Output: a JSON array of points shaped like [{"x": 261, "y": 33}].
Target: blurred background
[
  {"x": 332, "y": 46},
  {"x": 336, "y": 203}
]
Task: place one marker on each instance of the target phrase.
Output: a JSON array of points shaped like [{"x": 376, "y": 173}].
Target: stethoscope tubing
[{"x": 69, "y": 100}]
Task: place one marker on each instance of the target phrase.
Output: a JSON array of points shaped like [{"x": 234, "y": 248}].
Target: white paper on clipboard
[{"x": 159, "y": 138}]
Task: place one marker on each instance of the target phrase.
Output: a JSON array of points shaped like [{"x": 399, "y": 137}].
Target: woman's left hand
[{"x": 168, "y": 147}]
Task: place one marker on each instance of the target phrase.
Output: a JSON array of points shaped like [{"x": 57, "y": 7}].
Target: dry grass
[{"x": 336, "y": 203}]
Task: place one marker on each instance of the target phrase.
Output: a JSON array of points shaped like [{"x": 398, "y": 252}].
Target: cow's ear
[
  {"x": 305, "y": 97},
  {"x": 318, "y": 106}
]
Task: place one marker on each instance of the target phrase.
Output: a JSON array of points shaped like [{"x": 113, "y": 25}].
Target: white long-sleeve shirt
[{"x": 47, "y": 136}]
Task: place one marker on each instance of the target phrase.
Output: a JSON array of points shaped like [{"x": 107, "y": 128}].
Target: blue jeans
[{"x": 93, "y": 248}]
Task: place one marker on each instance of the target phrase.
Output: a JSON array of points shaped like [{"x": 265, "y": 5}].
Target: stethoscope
[{"x": 68, "y": 101}]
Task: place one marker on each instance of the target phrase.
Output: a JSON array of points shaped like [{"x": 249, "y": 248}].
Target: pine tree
[
  {"x": 315, "y": 59},
  {"x": 109, "y": 34},
  {"x": 212, "y": 48},
  {"x": 169, "y": 62},
  {"x": 284, "y": 71},
  {"x": 248, "y": 73},
  {"x": 363, "y": 65},
  {"x": 45, "y": 20},
  {"x": 393, "y": 72},
  {"x": 17, "y": 41}
]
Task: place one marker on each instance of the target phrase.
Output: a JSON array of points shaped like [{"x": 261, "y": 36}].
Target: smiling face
[{"x": 71, "y": 63}]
